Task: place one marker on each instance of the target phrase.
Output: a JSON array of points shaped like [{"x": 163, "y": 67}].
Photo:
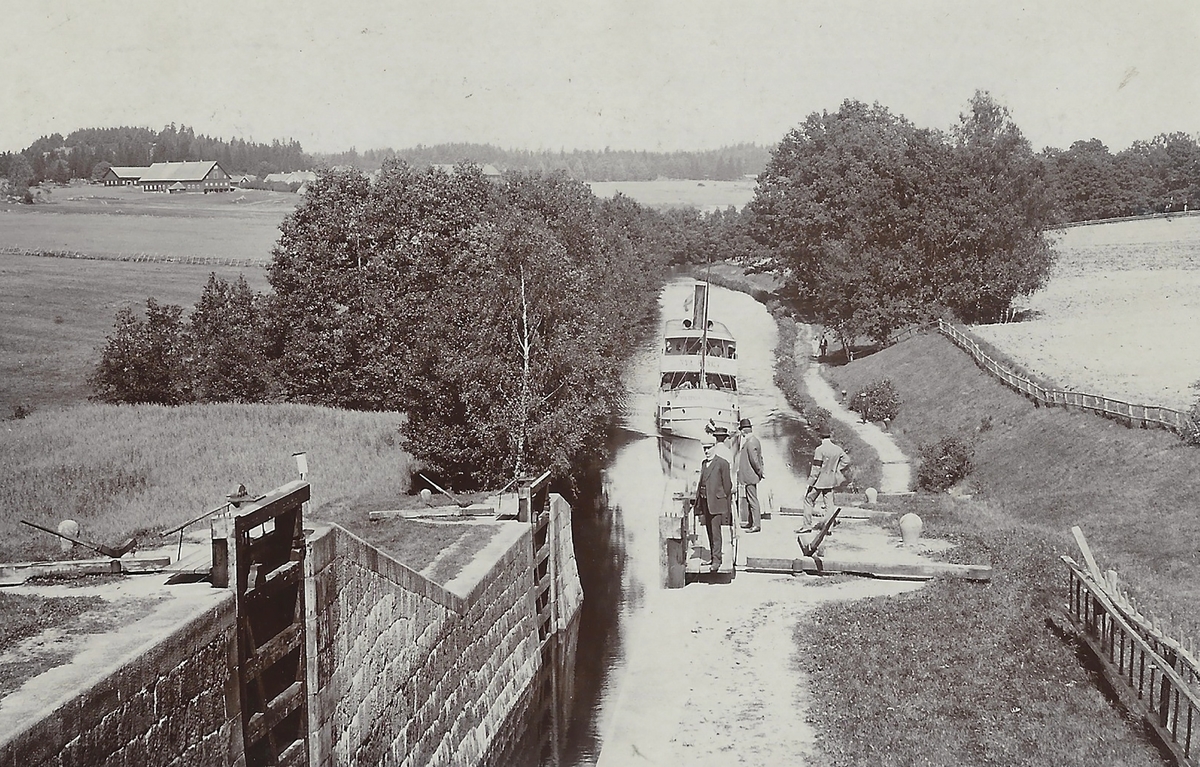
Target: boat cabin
[{"x": 679, "y": 379}]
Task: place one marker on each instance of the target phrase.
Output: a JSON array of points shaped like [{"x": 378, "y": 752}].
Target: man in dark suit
[{"x": 713, "y": 500}]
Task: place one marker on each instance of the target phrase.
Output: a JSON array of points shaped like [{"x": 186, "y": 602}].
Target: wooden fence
[
  {"x": 157, "y": 258},
  {"x": 1153, "y": 674},
  {"x": 1142, "y": 416}
]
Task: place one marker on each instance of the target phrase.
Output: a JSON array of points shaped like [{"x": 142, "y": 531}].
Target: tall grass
[
  {"x": 963, "y": 673},
  {"x": 122, "y": 471}
]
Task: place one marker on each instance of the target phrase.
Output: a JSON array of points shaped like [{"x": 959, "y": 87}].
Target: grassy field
[
  {"x": 122, "y": 471},
  {"x": 1110, "y": 320},
  {"x": 962, "y": 673},
  {"x": 114, "y": 221},
  {"x": 676, "y": 193},
  {"x": 55, "y": 314}
]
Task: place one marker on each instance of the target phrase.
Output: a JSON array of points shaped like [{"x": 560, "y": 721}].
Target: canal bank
[{"x": 707, "y": 674}]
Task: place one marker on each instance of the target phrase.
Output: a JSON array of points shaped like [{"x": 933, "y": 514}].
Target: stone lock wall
[
  {"x": 400, "y": 671},
  {"x": 408, "y": 673},
  {"x": 177, "y": 705}
]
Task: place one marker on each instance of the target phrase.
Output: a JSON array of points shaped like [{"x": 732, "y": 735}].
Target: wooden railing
[
  {"x": 1153, "y": 674},
  {"x": 1132, "y": 415}
]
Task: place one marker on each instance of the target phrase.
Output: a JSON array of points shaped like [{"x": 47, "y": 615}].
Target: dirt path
[
  {"x": 712, "y": 675},
  {"x": 896, "y": 468}
]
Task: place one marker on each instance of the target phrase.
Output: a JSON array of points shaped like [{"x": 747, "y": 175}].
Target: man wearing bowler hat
[
  {"x": 713, "y": 494},
  {"x": 749, "y": 474}
]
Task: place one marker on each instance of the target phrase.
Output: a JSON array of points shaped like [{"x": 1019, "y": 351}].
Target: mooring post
[
  {"x": 671, "y": 565},
  {"x": 221, "y": 525}
]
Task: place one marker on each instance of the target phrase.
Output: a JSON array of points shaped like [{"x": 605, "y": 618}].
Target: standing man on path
[
  {"x": 712, "y": 501},
  {"x": 749, "y": 474},
  {"x": 828, "y": 468}
]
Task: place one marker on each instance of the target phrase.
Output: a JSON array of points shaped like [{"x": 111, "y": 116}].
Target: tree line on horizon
[
  {"x": 1085, "y": 181},
  {"x": 730, "y": 163},
  {"x": 89, "y": 152}
]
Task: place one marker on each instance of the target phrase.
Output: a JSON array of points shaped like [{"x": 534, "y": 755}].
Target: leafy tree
[
  {"x": 143, "y": 360},
  {"x": 874, "y": 223},
  {"x": 1169, "y": 171},
  {"x": 496, "y": 315},
  {"x": 989, "y": 246},
  {"x": 842, "y": 205},
  {"x": 225, "y": 344},
  {"x": 1088, "y": 183},
  {"x": 20, "y": 173},
  {"x": 100, "y": 169}
]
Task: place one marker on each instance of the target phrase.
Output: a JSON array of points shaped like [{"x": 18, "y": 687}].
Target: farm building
[
  {"x": 295, "y": 177},
  {"x": 205, "y": 176},
  {"x": 124, "y": 175}
]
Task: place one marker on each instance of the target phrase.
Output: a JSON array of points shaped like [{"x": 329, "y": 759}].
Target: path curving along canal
[{"x": 704, "y": 674}]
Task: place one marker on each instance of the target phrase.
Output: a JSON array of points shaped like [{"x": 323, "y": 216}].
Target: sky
[{"x": 657, "y": 75}]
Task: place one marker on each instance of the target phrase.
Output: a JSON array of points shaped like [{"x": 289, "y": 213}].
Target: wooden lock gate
[{"x": 263, "y": 558}]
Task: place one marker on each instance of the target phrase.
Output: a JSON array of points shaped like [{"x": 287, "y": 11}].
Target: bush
[
  {"x": 944, "y": 463},
  {"x": 143, "y": 360},
  {"x": 1191, "y": 434},
  {"x": 877, "y": 401},
  {"x": 819, "y": 419}
]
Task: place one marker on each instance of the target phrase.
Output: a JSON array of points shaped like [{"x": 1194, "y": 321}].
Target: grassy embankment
[
  {"x": 138, "y": 470},
  {"x": 964, "y": 673}
]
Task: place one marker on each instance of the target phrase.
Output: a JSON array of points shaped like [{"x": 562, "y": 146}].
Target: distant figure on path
[
  {"x": 712, "y": 501},
  {"x": 824, "y": 346},
  {"x": 749, "y": 474},
  {"x": 827, "y": 472}
]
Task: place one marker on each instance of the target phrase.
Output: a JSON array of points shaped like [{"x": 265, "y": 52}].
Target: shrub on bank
[
  {"x": 1192, "y": 429},
  {"x": 944, "y": 463},
  {"x": 877, "y": 401}
]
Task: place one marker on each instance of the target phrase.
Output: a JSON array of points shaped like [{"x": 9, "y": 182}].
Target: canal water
[{"x": 616, "y": 522}]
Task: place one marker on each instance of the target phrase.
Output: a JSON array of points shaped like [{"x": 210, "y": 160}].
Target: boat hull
[{"x": 690, "y": 413}]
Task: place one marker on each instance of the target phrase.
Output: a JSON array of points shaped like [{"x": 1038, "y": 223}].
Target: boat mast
[{"x": 704, "y": 326}]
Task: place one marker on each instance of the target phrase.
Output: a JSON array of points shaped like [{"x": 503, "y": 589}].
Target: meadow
[
  {"x": 122, "y": 471},
  {"x": 1111, "y": 318},
  {"x": 679, "y": 193},
  {"x": 113, "y": 222},
  {"x": 56, "y": 312}
]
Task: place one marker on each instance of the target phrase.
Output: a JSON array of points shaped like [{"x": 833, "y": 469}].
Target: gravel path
[{"x": 896, "y": 475}]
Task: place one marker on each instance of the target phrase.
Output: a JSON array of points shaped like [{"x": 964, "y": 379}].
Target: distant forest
[
  {"x": 59, "y": 159},
  {"x": 1085, "y": 182},
  {"x": 724, "y": 164}
]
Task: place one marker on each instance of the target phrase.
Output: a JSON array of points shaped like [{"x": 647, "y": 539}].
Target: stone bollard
[
  {"x": 426, "y": 496},
  {"x": 69, "y": 528},
  {"x": 910, "y": 528},
  {"x": 872, "y": 495}
]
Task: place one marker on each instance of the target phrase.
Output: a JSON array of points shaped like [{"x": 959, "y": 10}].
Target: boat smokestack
[{"x": 699, "y": 308}]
